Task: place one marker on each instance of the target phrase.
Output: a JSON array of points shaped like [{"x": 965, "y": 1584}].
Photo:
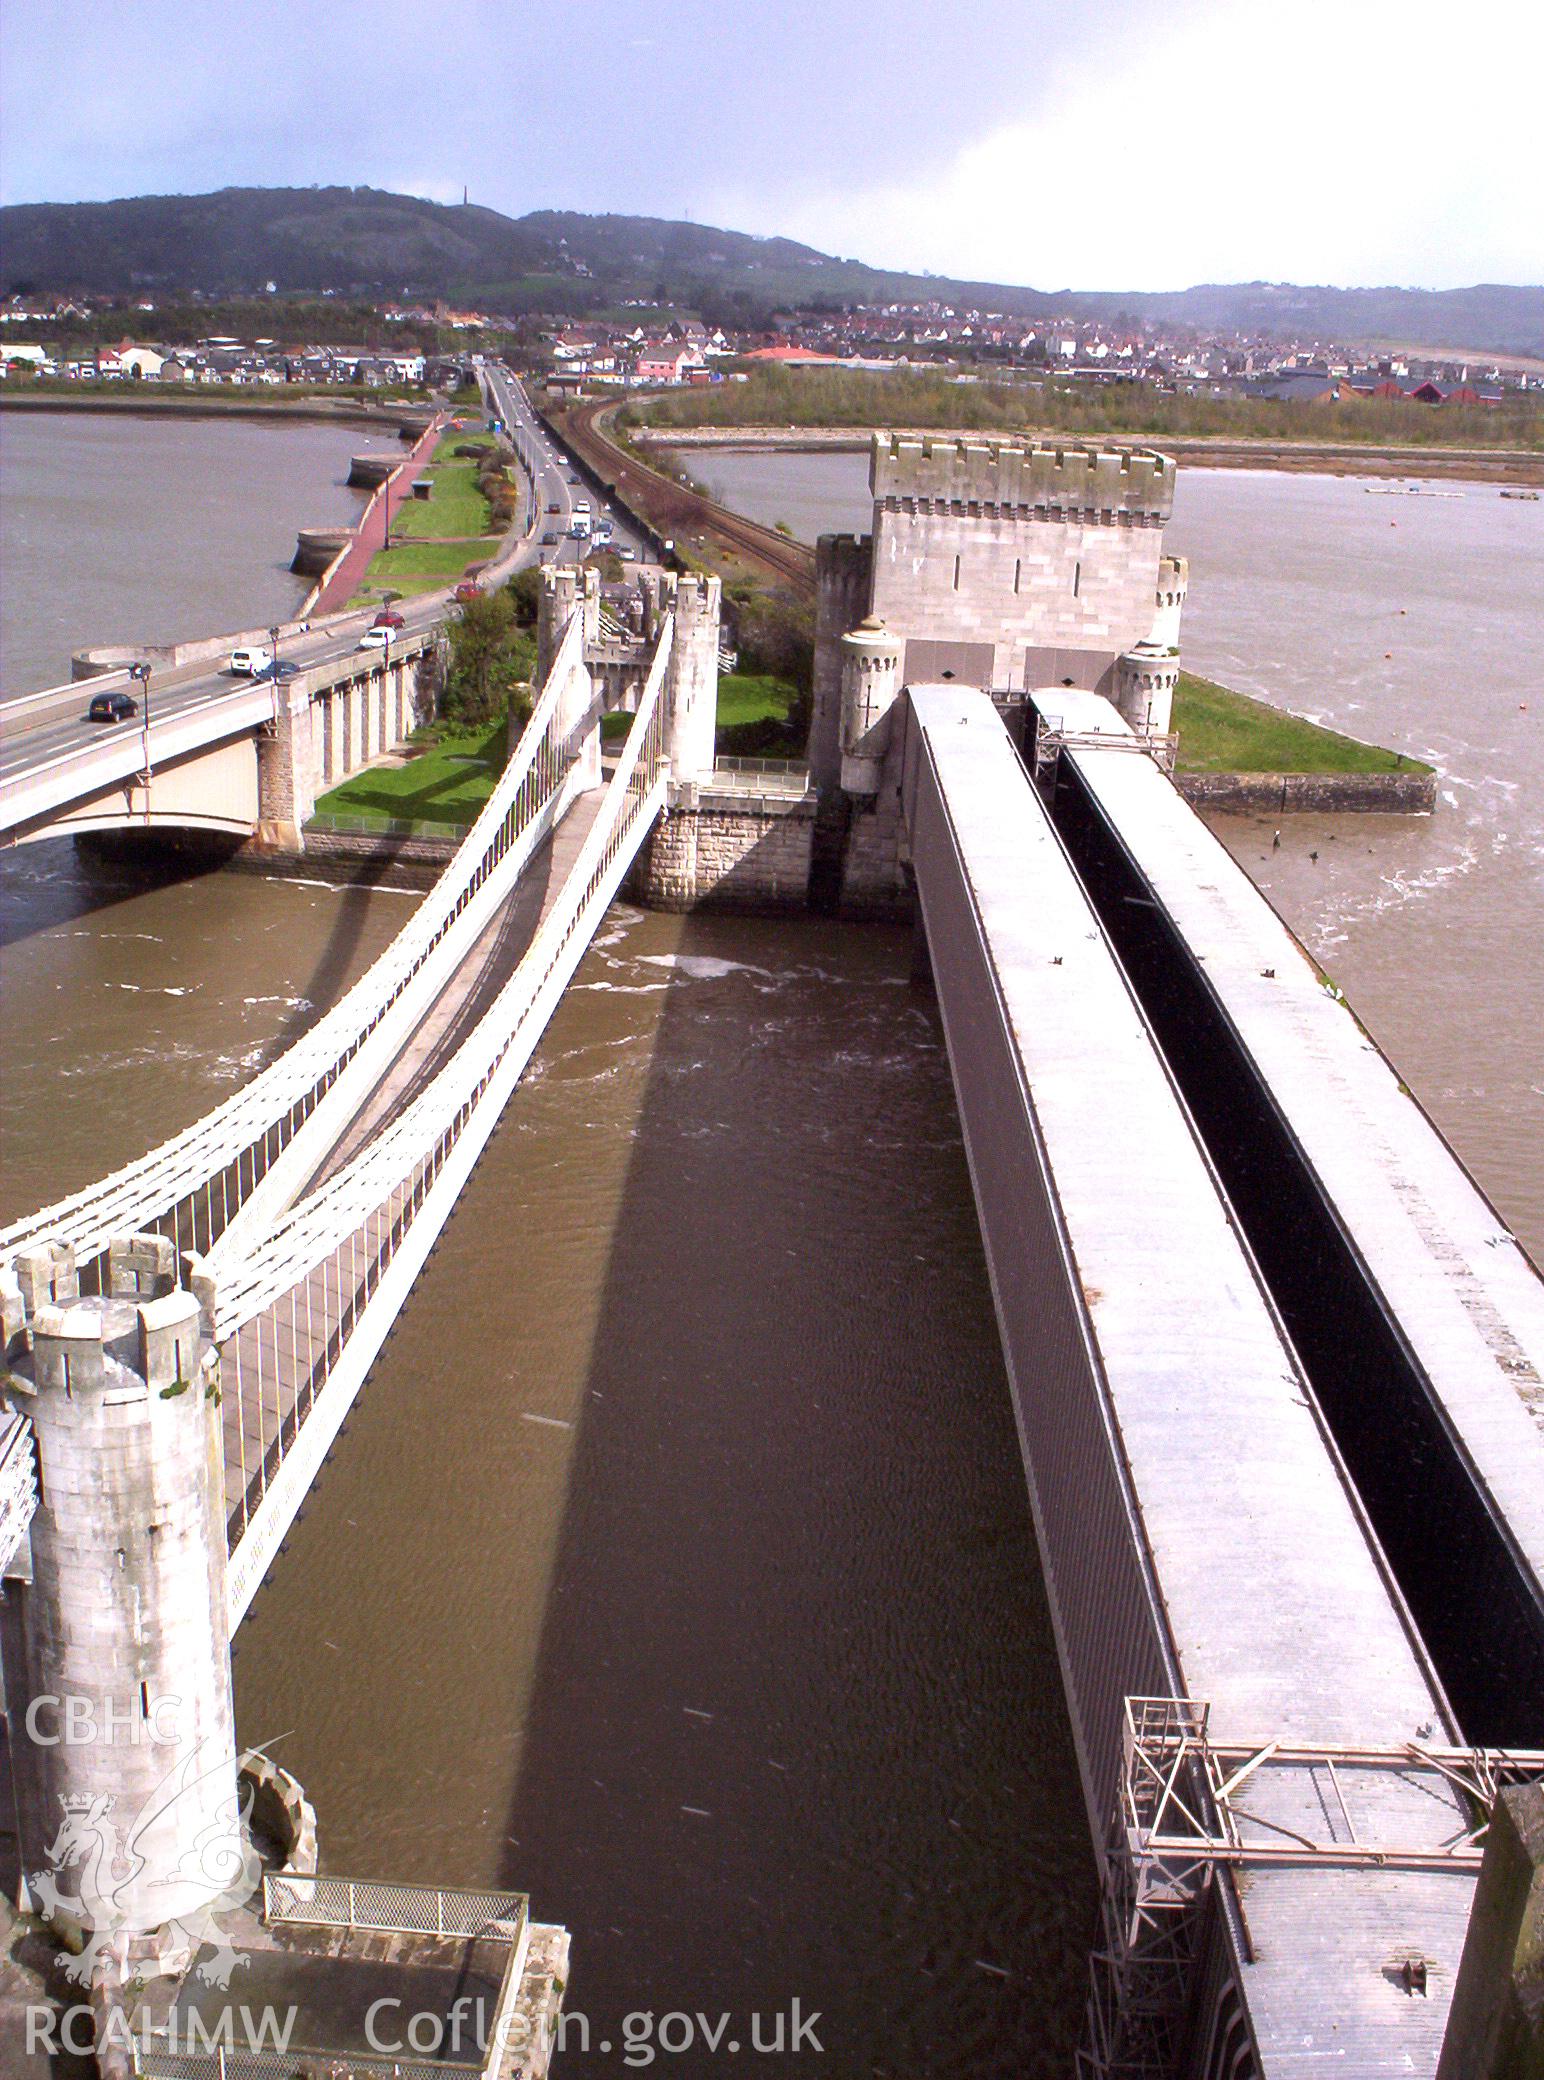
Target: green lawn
[
  {"x": 753, "y": 717},
  {"x": 752, "y": 697},
  {"x": 376, "y": 595},
  {"x": 430, "y": 559},
  {"x": 447, "y": 784},
  {"x": 1225, "y": 732},
  {"x": 454, "y": 506}
]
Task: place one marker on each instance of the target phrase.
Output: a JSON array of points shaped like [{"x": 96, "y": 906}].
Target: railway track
[{"x": 673, "y": 510}]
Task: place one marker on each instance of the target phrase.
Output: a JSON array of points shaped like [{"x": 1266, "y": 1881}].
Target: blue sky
[{"x": 1088, "y": 143}]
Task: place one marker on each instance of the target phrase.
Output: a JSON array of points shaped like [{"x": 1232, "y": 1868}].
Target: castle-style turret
[
  {"x": 690, "y": 691},
  {"x": 1173, "y": 582},
  {"x": 1144, "y": 688},
  {"x": 565, "y": 590},
  {"x": 871, "y": 680},
  {"x": 117, "y": 1674}
]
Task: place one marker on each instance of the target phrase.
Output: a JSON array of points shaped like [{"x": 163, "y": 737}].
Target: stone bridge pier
[{"x": 327, "y": 724}]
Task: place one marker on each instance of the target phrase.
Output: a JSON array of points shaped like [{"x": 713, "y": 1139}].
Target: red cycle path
[{"x": 370, "y": 536}]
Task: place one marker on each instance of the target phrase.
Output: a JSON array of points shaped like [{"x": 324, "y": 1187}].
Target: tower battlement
[{"x": 1066, "y": 482}]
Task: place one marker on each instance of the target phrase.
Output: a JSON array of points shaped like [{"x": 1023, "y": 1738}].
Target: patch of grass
[
  {"x": 753, "y": 697},
  {"x": 398, "y": 588},
  {"x": 759, "y": 716},
  {"x": 1225, "y": 732},
  {"x": 447, "y": 784},
  {"x": 454, "y": 506},
  {"x": 430, "y": 559}
]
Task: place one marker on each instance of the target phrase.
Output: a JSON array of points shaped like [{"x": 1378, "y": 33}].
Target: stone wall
[
  {"x": 1031, "y": 589},
  {"x": 750, "y": 853},
  {"x": 1286, "y": 794}
]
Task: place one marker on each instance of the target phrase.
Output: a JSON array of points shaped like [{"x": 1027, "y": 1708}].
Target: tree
[{"x": 490, "y": 654}]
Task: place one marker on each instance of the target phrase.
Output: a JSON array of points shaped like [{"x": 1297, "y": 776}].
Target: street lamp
[
  {"x": 140, "y": 674},
  {"x": 273, "y": 651}
]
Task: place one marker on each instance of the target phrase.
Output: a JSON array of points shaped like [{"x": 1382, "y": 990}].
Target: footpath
[{"x": 346, "y": 575}]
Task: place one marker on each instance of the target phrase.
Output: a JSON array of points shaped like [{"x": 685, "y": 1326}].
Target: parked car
[
  {"x": 388, "y": 617},
  {"x": 281, "y": 668},
  {"x": 112, "y": 707},
  {"x": 376, "y": 638},
  {"x": 548, "y": 539},
  {"x": 247, "y": 660},
  {"x": 468, "y": 591}
]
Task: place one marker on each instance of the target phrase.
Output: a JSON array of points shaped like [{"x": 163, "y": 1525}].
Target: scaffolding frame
[
  {"x": 1162, "y": 747},
  {"x": 1180, "y": 1819}
]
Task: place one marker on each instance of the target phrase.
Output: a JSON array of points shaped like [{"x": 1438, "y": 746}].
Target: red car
[
  {"x": 468, "y": 591},
  {"x": 387, "y": 618}
]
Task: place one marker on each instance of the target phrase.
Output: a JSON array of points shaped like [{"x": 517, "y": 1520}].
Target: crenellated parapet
[{"x": 1131, "y": 487}]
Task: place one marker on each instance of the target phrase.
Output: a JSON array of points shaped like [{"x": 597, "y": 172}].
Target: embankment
[{"x": 1337, "y": 459}]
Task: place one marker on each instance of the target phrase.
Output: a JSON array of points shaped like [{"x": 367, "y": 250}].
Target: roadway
[
  {"x": 42, "y": 729},
  {"x": 558, "y": 484}
]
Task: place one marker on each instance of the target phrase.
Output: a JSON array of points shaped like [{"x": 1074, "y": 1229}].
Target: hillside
[{"x": 364, "y": 242}]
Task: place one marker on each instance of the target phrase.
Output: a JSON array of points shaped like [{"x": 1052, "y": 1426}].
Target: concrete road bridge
[{"x": 242, "y": 757}]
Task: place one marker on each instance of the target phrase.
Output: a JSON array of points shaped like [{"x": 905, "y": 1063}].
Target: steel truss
[{"x": 1185, "y": 1810}]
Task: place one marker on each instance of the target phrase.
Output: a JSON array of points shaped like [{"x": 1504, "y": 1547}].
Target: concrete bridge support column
[
  {"x": 690, "y": 692},
  {"x": 122, "y": 1699},
  {"x": 328, "y": 707},
  {"x": 287, "y": 768}
]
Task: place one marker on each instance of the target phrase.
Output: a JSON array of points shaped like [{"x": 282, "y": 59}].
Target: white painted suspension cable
[
  {"x": 320, "y": 1223},
  {"x": 153, "y": 1184}
]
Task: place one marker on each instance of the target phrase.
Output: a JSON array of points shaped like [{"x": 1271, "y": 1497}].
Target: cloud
[{"x": 1321, "y": 143}]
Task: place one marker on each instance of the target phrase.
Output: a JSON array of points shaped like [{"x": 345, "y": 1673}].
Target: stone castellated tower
[
  {"x": 998, "y": 564},
  {"x": 1148, "y": 673},
  {"x": 565, "y": 590},
  {"x": 690, "y": 692},
  {"x": 117, "y": 1649}
]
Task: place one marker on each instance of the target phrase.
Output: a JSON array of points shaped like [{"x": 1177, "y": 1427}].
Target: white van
[{"x": 248, "y": 662}]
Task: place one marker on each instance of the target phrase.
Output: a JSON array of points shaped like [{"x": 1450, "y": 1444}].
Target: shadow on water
[
  {"x": 56, "y": 880},
  {"x": 804, "y": 1738},
  {"x": 335, "y": 964}
]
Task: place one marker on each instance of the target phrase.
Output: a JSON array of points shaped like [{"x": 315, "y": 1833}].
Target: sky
[{"x": 1092, "y": 144}]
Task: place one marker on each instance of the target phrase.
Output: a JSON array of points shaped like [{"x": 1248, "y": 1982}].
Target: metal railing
[
  {"x": 300, "y": 1315},
  {"x": 773, "y": 775},
  {"x": 367, "y": 826},
  {"x": 191, "y": 1185},
  {"x": 155, "y": 2058},
  {"x": 425, "y": 1910}
]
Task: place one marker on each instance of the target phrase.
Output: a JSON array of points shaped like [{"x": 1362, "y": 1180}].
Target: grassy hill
[{"x": 364, "y": 242}]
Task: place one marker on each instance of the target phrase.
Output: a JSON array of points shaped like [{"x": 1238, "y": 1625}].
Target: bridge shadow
[
  {"x": 797, "y": 1728},
  {"x": 335, "y": 965},
  {"x": 55, "y": 880}
]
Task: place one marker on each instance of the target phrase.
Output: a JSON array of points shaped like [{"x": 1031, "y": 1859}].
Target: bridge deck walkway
[{"x": 276, "y": 1394}]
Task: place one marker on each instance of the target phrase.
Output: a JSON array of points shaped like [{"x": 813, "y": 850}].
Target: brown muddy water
[
  {"x": 1416, "y": 621},
  {"x": 116, "y": 528},
  {"x": 676, "y": 1563}
]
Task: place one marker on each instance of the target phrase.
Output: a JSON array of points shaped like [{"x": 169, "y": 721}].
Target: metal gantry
[{"x": 1191, "y": 1807}]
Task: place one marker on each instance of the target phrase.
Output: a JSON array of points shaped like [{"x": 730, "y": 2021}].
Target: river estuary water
[
  {"x": 1416, "y": 622},
  {"x": 130, "y": 528},
  {"x": 676, "y": 1564}
]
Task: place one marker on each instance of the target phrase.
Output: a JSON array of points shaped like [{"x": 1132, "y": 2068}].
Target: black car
[
  {"x": 548, "y": 539},
  {"x": 281, "y": 668},
  {"x": 112, "y": 707}
]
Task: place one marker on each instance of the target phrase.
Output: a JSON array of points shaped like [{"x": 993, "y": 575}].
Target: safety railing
[
  {"x": 391, "y": 1909},
  {"x": 364, "y": 826},
  {"x": 191, "y": 1185},
  {"x": 300, "y": 1317},
  {"x": 764, "y": 775}
]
